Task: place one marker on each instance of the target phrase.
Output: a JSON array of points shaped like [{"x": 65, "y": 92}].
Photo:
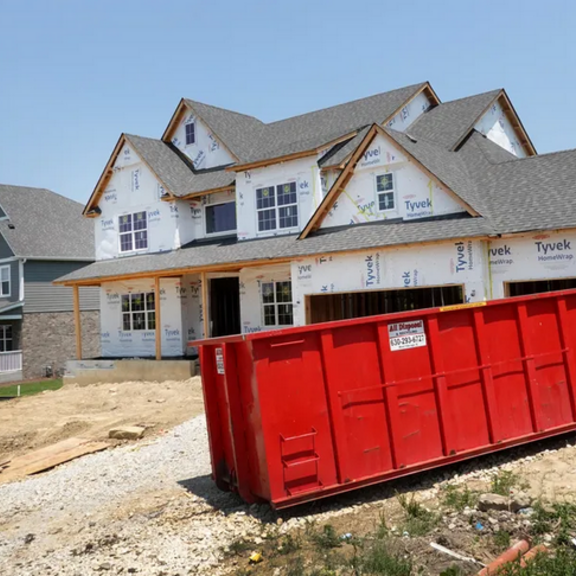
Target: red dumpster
[{"x": 303, "y": 413}]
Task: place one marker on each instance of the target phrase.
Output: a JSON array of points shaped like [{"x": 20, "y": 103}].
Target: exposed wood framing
[
  {"x": 344, "y": 177},
  {"x": 193, "y": 195},
  {"x": 77, "y": 323},
  {"x": 205, "y": 309},
  {"x": 157, "y": 319}
]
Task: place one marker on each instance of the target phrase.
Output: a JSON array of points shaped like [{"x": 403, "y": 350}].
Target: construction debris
[{"x": 127, "y": 433}]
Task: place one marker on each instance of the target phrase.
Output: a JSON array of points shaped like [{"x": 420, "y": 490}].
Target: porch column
[
  {"x": 205, "y": 318},
  {"x": 77, "y": 326},
  {"x": 158, "y": 330}
]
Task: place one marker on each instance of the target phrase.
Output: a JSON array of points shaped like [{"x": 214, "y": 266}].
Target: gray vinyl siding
[
  {"x": 5, "y": 250},
  {"x": 40, "y": 295},
  {"x": 14, "y": 283}
]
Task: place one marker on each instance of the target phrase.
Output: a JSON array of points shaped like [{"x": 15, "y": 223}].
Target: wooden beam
[
  {"x": 77, "y": 325},
  {"x": 205, "y": 311},
  {"x": 158, "y": 324}
]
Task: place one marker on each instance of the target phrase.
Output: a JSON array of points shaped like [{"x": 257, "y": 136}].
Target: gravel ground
[
  {"x": 122, "y": 511},
  {"x": 151, "y": 508}
]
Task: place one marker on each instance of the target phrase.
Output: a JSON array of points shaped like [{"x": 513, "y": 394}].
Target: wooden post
[
  {"x": 77, "y": 326},
  {"x": 158, "y": 329},
  {"x": 205, "y": 317}
]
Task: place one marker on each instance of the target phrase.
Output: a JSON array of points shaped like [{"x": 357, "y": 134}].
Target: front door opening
[
  {"x": 224, "y": 306},
  {"x": 536, "y": 286},
  {"x": 342, "y": 306}
]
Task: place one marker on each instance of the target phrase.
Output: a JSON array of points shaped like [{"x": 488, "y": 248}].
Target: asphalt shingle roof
[
  {"x": 368, "y": 236},
  {"x": 251, "y": 140},
  {"x": 43, "y": 224},
  {"x": 175, "y": 170},
  {"x": 448, "y": 122}
]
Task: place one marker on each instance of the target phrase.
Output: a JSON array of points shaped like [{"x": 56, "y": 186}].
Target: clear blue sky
[{"x": 74, "y": 74}]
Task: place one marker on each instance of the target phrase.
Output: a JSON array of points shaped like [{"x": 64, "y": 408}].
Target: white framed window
[
  {"x": 386, "y": 191},
  {"x": 190, "y": 133},
  {"x": 133, "y": 231},
  {"x": 277, "y": 303},
  {"x": 138, "y": 311},
  {"x": 220, "y": 218},
  {"x": 6, "y": 342},
  {"x": 277, "y": 207},
  {"x": 4, "y": 281}
]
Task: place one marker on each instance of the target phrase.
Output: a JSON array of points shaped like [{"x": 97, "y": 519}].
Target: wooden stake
[
  {"x": 205, "y": 305},
  {"x": 77, "y": 326},
  {"x": 158, "y": 331}
]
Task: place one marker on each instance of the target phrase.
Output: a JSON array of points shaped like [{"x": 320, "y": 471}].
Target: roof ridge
[
  {"x": 536, "y": 156},
  {"x": 418, "y": 85},
  {"x": 495, "y": 91},
  {"x": 192, "y": 102}
]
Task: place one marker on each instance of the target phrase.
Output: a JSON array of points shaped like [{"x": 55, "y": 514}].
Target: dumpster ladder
[{"x": 303, "y": 457}]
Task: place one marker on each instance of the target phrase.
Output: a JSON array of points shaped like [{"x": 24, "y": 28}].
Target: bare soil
[{"x": 32, "y": 422}]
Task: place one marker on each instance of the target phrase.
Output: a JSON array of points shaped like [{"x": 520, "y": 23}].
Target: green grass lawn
[{"x": 29, "y": 388}]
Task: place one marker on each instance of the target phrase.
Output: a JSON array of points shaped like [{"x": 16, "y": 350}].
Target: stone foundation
[{"x": 48, "y": 339}]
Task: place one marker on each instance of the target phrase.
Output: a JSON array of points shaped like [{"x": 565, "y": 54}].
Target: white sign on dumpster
[
  {"x": 409, "y": 334},
  {"x": 219, "y": 361}
]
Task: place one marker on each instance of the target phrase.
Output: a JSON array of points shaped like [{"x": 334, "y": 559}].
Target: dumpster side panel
[
  {"x": 543, "y": 341},
  {"x": 295, "y": 422},
  {"x": 466, "y": 418},
  {"x": 353, "y": 373}
]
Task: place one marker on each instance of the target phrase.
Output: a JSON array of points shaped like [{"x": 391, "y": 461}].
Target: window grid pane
[
  {"x": 386, "y": 201},
  {"x": 384, "y": 182},
  {"x": 267, "y": 220},
  {"x": 288, "y": 216},
  {"x": 138, "y": 312},
  {"x": 126, "y": 325},
  {"x": 125, "y": 242},
  {"x": 126, "y": 223},
  {"x": 286, "y": 193},
  {"x": 190, "y": 137},
  {"x": 140, "y": 221},
  {"x": 283, "y": 291},
  {"x": 265, "y": 198},
  {"x": 285, "y": 316},
  {"x": 268, "y": 292},
  {"x": 269, "y": 315},
  {"x": 141, "y": 240}
]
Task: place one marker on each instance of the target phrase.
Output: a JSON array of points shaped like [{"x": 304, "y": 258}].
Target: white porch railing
[{"x": 11, "y": 361}]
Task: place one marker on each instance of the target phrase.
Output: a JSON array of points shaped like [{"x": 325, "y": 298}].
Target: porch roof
[{"x": 232, "y": 253}]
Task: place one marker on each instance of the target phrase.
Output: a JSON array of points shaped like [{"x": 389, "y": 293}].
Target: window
[
  {"x": 277, "y": 207},
  {"x": 133, "y": 232},
  {"x": 277, "y": 303},
  {"x": 5, "y": 338},
  {"x": 138, "y": 312},
  {"x": 220, "y": 218},
  {"x": 5, "y": 281},
  {"x": 385, "y": 191},
  {"x": 190, "y": 135}
]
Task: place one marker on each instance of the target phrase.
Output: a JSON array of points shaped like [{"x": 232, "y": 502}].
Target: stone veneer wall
[{"x": 48, "y": 338}]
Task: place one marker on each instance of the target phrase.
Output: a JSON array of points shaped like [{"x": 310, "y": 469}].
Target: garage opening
[
  {"x": 536, "y": 286},
  {"x": 345, "y": 305}
]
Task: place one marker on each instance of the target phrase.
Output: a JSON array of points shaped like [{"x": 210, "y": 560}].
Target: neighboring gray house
[{"x": 42, "y": 236}]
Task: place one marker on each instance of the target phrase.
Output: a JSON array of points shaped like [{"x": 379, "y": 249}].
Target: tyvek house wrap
[
  {"x": 117, "y": 342},
  {"x": 460, "y": 262},
  {"x": 533, "y": 257},
  {"x": 134, "y": 188},
  {"x": 416, "y": 195}
]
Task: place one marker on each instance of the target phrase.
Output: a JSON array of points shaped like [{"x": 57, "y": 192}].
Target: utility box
[{"x": 303, "y": 413}]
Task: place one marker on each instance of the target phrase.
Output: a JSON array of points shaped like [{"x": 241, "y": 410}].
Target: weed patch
[
  {"x": 418, "y": 520},
  {"x": 457, "y": 498},
  {"x": 327, "y": 539},
  {"x": 503, "y": 482}
]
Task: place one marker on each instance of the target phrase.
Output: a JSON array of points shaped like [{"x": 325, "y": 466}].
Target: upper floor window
[
  {"x": 190, "y": 134},
  {"x": 277, "y": 207},
  {"x": 5, "y": 281},
  {"x": 133, "y": 232},
  {"x": 385, "y": 191},
  {"x": 220, "y": 218},
  {"x": 138, "y": 312},
  {"x": 277, "y": 303}
]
